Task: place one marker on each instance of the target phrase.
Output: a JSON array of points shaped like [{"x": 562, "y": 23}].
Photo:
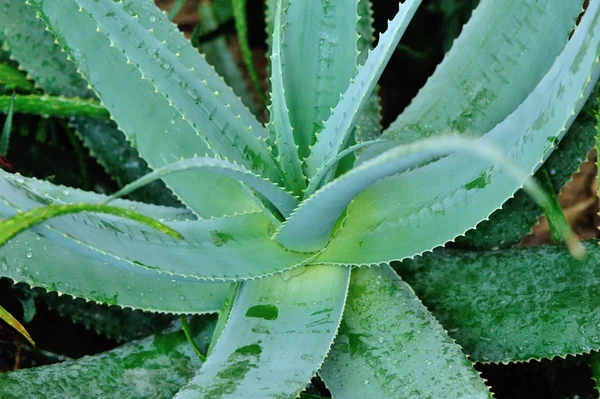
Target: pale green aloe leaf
[
  {"x": 16, "y": 324},
  {"x": 241, "y": 27},
  {"x": 192, "y": 97},
  {"x": 515, "y": 304},
  {"x": 229, "y": 248},
  {"x": 384, "y": 221},
  {"x": 12, "y": 78},
  {"x": 152, "y": 367},
  {"x": 277, "y": 336},
  {"x": 399, "y": 351},
  {"x": 334, "y": 136},
  {"x": 283, "y": 201},
  {"x": 30, "y": 42},
  {"x": 507, "y": 226},
  {"x": 7, "y": 128},
  {"x": 310, "y": 226},
  {"x": 319, "y": 56},
  {"x": 27, "y": 42},
  {"x": 279, "y": 125},
  {"x": 23, "y": 221},
  {"x": 153, "y": 128},
  {"x": 53, "y": 106},
  {"x": 503, "y": 52}
]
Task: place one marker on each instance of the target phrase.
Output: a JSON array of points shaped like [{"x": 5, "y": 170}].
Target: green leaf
[
  {"x": 502, "y": 54},
  {"x": 230, "y": 248},
  {"x": 344, "y": 116},
  {"x": 279, "y": 124},
  {"x": 23, "y": 221},
  {"x": 398, "y": 351},
  {"x": 175, "y": 9},
  {"x": 39, "y": 262},
  {"x": 12, "y": 78},
  {"x": 507, "y": 226},
  {"x": 53, "y": 106},
  {"x": 28, "y": 42},
  {"x": 557, "y": 222},
  {"x": 241, "y": 27},
  {"x": 6, "y": 129},
  {"x": 14, "y": 323},
  {"x": 193, "y": 98},
  {"x": 319, "y": 57},
  {"x": 310, "y": 226},
  {"x": 299, "y": 310},
  {"x": 153, "y": 367},
  {"x": 388, "y": 221},
  {"x": 224, "y": 315},
  {"x": 156, "y": 130},
  {"x": 515, "y": 304},
  {"x": 283, "y": 201}
]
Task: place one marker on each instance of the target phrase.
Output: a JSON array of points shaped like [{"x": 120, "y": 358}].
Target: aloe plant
[{"x": 279, "y": 218}]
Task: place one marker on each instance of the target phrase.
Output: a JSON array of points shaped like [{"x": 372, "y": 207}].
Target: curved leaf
[
  {"x": 23, "y": 221},
  {"x": 310, "y": 227},
  {"x": 14, "y": 323},
  {"x": 153, "y": 128},
  {"x": 191, "y": 97},
  {"x": 279, "y": 124},
  {"x": 339, "y": 125},
  {"x": 277, "y": 336},
  {"x": 284, "y": 201},
  {"x": 387, "y": 221},
  {"x": 502, "y": 53},
  {"x": 319, "y": 57},
  {"x": 398, "y": 351},
  {"x": 515, "y": 304},
  {"x": 153, "y": 367}
]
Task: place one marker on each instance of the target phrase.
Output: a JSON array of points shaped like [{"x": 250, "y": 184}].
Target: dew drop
[
  {"x": 181, "y": 297},
  {"x": 152, "y": 19},
  {"x": 29, "y": 255}
]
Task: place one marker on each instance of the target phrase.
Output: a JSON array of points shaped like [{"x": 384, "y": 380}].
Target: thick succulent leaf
[
  {"x": 53, "y": 106},
  {"x": 281, "y": 199},
  {"x": 398, "y": 351},
  {"x": 279, "y": 124},
  {"x": 28, "y": 42},
  {"x": 39, "y": 262},
  {"x": 512, "y": 305},
  {"x": 153, "y": 367},
  {"x": 219, "y": 54},
  {"x": 344, "y": 116},
  {"x": 235, "y": 247},
  {"x": 59, "y": 77},
  {"x": 186, "y": 92},
  {"x": 278, "y": 334},
  {"x": 310, "y": 226},
  {"x": 113, "y": 322},
  {"x": 507, "y": 226},
  {"x": 319, "y": 56},
  {"x": 12, "y": 78},
  {"x": 501, "y": 55},
  {"x": 155, "y": 129},
  {"x": 241, "y": 27},
  {"x": 23, "y": 221},
  {"x": 388, "y": 220}
]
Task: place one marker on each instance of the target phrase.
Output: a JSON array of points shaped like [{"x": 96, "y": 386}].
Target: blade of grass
[
  {"x": 54, "y": 106},
  {"x": 14, "y": 323},
  {"x": 5, "y": 138}
]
